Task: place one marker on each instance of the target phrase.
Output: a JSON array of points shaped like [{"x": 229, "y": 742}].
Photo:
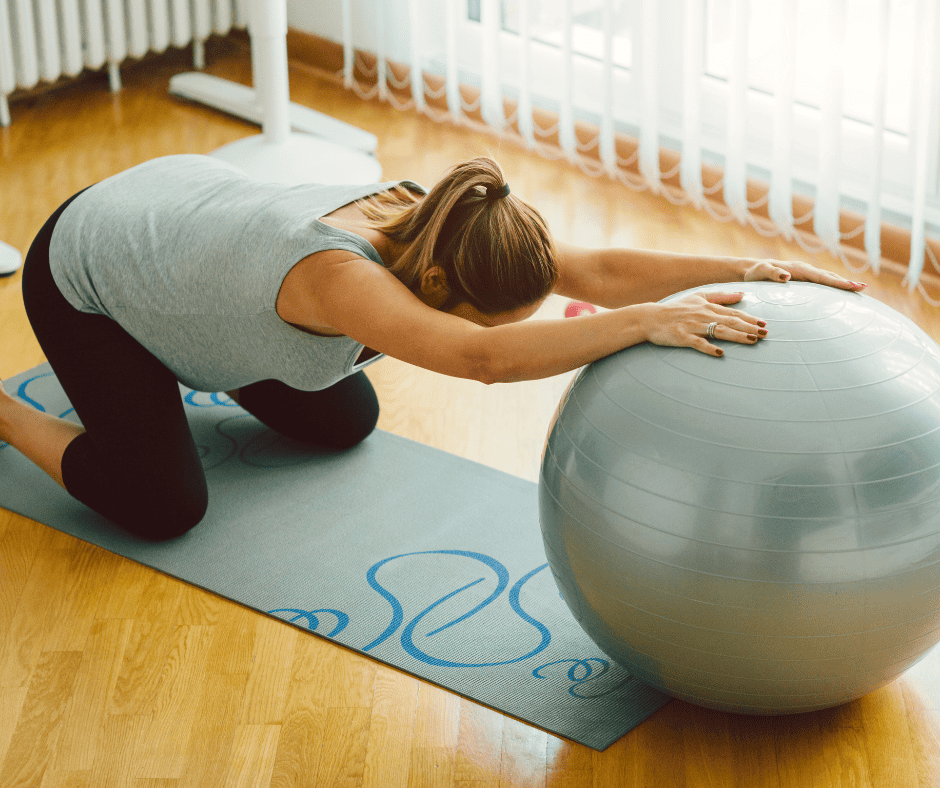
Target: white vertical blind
[
  {"x": 453, "y": 84},
  {"x": 417, "y": 70},
  {"x": 781, "y": 181},
  {"x": 691, "y": 163},
  {"x": 646, "y": 37},
  {"x": 735, "y": 178},
  {"x": 349, "y": 59},
  {"x": 566, "y": 135},
  {"x": 607, "y": 144},
  {"x": 491, "y": 91},
  {"x": 826, "y": 215},
  {"x": 524, "y": 111},
  {"x": 834, "y": 101},
  {"x": 380, "y": 53},
  {"x": 873, "y": 214},
  {"x": 925, "y": 135}
]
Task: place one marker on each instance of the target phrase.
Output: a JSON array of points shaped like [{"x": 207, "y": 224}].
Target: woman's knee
[
  {"x": 353, "y": 432},
  {"x": 157, "y": 496},
  {"x": 357, "y": 413},
  {"x": 165, "y": 517},
  {"x": 336, "y": 418},
  {"x": 338, "y": 434}
]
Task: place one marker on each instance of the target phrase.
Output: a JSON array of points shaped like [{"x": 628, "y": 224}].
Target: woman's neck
[{"x": 350, "y": 218}]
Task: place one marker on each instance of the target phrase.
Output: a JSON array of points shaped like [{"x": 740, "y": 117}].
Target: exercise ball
[{"x": 757, "y": 533}]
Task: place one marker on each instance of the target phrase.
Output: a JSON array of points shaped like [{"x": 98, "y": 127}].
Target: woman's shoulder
[{"x": 298, "y": 294}]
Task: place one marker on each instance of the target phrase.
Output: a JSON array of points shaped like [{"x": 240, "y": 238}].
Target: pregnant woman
[{"x": 182, "y": 269}]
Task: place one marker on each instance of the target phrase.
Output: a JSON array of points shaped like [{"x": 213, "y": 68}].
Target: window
[
  {"x": 546, "y": 25},
  {"x": 582, "y": 83},
  {"x": 546, "y": 33},
  {"x": 861, "y": 40}
]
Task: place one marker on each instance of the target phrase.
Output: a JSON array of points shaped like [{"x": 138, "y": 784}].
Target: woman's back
[{"x": 188, "y": 255}]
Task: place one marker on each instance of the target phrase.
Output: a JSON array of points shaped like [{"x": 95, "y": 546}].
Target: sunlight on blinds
[{"x": 831, "y": 103}]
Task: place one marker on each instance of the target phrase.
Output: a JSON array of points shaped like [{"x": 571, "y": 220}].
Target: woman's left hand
[{"x": 783, "y": 271}]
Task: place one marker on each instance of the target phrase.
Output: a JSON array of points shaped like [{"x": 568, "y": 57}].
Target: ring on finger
[{"x": 710, "y": 330}]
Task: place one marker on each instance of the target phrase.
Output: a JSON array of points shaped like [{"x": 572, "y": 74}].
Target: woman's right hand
[{"x": 684, "y": 323}]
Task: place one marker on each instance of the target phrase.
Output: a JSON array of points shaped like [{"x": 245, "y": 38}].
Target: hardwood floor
[{"x": 112, "y": 674}]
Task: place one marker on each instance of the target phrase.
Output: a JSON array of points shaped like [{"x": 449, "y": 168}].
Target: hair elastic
[{"x": 494, "y": 193}]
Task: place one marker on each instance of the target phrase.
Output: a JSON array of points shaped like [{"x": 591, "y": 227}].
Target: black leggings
[{"x": 136, "y": 463}]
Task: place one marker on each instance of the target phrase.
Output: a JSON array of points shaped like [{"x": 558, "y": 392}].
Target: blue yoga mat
[{"x": 416, "y": 557}]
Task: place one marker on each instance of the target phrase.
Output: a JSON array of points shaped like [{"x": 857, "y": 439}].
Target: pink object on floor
[{"x": 578, "y": 308}]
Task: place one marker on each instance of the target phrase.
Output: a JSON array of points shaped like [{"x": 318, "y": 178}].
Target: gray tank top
[{"x": 188, "y": 256}]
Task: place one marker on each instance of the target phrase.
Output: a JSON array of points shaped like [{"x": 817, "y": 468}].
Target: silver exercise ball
[{"x": 758, "y": 533}]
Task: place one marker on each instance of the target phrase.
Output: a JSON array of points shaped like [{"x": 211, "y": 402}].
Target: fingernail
[
  {"x": 752, "y": 337},
  {"x": 784, "y": 277},
  {"x": 720, "y": 352},
  {"x": 859, "y": 284},
  {"x": 762, "y": 332},
  {"x": 761, "y": 323}
]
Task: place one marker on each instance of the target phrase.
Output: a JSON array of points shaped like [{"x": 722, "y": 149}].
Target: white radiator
[{"x": 43, "y": 40}]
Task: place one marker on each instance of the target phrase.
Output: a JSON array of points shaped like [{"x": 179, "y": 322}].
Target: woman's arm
[
  {"x": 364, "y": 301},
  {"x": 613, "y": 278},
  {"x": 541, "y": 348}
]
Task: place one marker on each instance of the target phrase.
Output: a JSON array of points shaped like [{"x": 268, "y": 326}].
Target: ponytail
[{"x": 495, "y": 249}]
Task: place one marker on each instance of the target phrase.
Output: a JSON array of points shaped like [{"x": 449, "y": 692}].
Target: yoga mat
[{"x": 413, "y": 556}]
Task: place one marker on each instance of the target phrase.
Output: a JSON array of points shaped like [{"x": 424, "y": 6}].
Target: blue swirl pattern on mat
[
  {"x": 407, "y": 636},
  {"x": 397, "y": 610},
  {"x": 407, "y": 640},
  {"x": 583, "y": 676},
  {"x": 21, "y": 393},
  {"x": 313, "y": 623},
  {"x": 216, "y": 398}
]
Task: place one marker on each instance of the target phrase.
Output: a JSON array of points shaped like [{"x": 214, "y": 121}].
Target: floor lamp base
[
  {"x": 299, "y": 159},
  {"x": 242, "y": 101},
  {"x": 10, "y": 259}
]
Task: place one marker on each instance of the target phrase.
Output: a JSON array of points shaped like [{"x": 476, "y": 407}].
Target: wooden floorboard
[{"x": 112, "y": 674}]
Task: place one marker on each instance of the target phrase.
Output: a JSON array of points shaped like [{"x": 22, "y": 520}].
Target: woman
[{"x": 182, "y": 269}]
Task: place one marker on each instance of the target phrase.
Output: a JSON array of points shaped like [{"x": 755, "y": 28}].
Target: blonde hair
[{"x": 495, "y": 249}]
